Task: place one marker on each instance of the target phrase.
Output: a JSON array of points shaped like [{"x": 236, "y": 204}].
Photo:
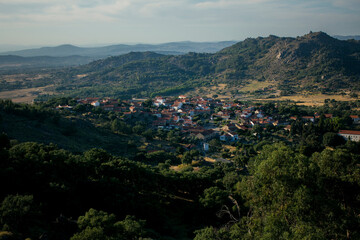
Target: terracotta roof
[
  {"x": 328, "y": 115},
  {"x": 349, "y": 132}
]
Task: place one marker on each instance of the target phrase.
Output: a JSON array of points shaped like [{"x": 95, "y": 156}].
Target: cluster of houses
[{"x": 183, "y": 113}]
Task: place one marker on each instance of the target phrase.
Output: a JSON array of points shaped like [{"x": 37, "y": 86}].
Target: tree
[
  {"x": 333, "y": 139},
  {"x": 215, "y": 144},
  {"x": 138, "y": 129},
  {"x": 257, "y": 129},
  {"x": 213, "y": 197},
  {"x": 97, "y": 156},
  {"x": 187, "y": 158},
  {"x": 18, "y": 214},
  {"x": 131, "y": 227},
  {"x": 149, "y": 134},
  {"x": 96, "y": 225},
  {"x": 353, "y": 95},
  {"x": 4, "y": 141},
  {"x": 291, "y": 196},
  {"x": 94, "y": 218},
  {"x": 120, "y": 126},
  {"x": 210, "y": 233},
  {"x": 95, "y": 233}
]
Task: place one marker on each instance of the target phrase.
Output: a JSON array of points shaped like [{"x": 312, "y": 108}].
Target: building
[
  {"x": 350, "y": 135},
  {"x": 308, "y": 118},
  {"x": 95, "y": 103},
  {"x": 229, "y": 136},
  {"x": 355, "y": 118},
  {"x": 206, "y": 147}
]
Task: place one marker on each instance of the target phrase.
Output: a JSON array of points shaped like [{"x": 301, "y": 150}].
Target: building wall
[{"x": 352, "y": 137}]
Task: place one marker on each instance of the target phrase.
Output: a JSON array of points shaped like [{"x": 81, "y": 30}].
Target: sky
[{"x": 98, "y": 22}]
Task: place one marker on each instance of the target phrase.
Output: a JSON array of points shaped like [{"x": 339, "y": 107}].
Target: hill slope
[
  {"x": 8, "y": 62},
  {"x": 32, "y": 123},
  {"x": 315, "y": 62}
]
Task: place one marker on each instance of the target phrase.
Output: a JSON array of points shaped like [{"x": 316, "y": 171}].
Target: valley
[{"x": 259, "y": 140}]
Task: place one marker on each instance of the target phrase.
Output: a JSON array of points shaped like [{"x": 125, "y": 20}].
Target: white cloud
[
  {"x": 66, "y": 10},
  {"x": 347, "y": 4},
  {"x": 162, "y": 20},
  {"x": 228, "y": 3},
  {"x": 24, "y": 1}
]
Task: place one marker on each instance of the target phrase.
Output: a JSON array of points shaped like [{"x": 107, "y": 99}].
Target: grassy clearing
[
  {"x": 255, "y": 85},
  {"x": 311, "y": 100},
  {"x": 24, "y": 95},
  {"x": 210, "y": 160}
]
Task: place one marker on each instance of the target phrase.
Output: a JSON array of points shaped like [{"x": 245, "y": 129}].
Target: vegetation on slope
[
  {"x": 315, "y": 62},
  {"x": 302, "y": 185}
]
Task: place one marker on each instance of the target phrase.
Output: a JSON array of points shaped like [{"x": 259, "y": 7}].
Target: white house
[
  {"x": 259, "y": 114},
  {"x": 159, "y": 101},
  {"x": 350, "y": 135},
  {"x": 96, "y": 104},
  {"x": 355, "y": 118},
  {"x": 229, "y": 136},
  {"x": 206, "y": 147},
  {"x": 177, "y": 105}
]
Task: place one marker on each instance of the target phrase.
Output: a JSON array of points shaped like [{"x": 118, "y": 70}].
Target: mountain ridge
[
  {"x": 313, "y": 63},
  {"x": 117, "y": 49},
  {"x": 9, "y": 62}
]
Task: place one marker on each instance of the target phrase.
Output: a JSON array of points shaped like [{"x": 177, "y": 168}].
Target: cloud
[
  {"x": 228, "y": 3},
  {"x": 65, "y": 10},
  {"x": 352, "y": 5},
  {"x": 15, "y": 2},
  {"x": 163, "y": 20}
]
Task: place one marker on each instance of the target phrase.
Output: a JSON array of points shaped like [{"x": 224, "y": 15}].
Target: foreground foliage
[
  {"x": 291, "y": 196},
  {"x": 304, "y": 185}
]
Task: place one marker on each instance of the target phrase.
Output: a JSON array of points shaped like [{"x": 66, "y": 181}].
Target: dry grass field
[
  {"x": 256, "y": 85},
  {"x": 311, "y": 100},
  {"x": 23, "y": 95}
]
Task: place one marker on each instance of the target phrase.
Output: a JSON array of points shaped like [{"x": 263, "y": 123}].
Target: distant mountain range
[
  {"x": 9, "y": 62},
  {"x": 314, "y": 62},
  {"x": 69, "y": 55},
  {"x": 114, "y": 50},
  {"x": 355, "y": 37}
]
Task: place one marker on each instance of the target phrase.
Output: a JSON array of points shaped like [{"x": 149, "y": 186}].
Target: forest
[{"x": 303, "y": 186}]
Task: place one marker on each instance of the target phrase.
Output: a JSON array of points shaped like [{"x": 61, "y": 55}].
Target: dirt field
[{"x": 23, "y": 95}]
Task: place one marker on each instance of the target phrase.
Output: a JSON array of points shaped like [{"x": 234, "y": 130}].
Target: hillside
[
  {"x": 9, "y": 62},
  {"x": 313, "y": 63},
  {"x": 119, "y": 175},
  {"x": 38, "y": 124}
]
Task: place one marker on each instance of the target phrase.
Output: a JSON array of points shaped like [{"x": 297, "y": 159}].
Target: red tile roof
[{"x": 353, "y": 132}]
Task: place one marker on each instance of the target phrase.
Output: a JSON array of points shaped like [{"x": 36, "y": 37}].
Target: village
[{"x": 204, "y": 119}]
